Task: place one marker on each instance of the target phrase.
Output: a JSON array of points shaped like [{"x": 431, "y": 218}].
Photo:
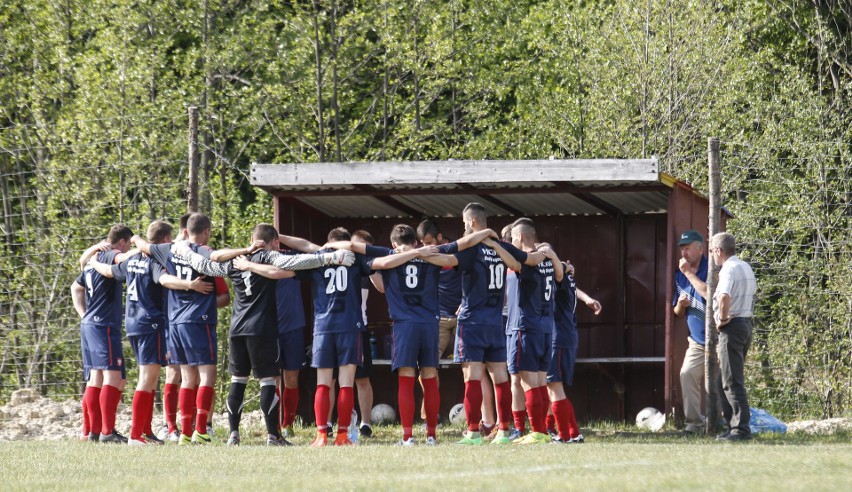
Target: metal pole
[
  {"x": 192, "y": 192},
  {"x": 711, "y": 363}
]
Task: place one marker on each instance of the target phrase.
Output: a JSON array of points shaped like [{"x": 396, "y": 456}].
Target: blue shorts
[
  {"x": 174, "y": 350},
  {"x": 87, "y": 364},
  {"x": 528, "y": 352},
  {"x": 480, "y": 343},
  {"x": 414, "y": 345},
  {"x": 103, "y": 344},
  {"x": 561, "y": 368},
  {"x": 291, "y": 350},
  {"x": 337, "y": 349},
  {"x": 149, "y": 349},
  {"x": 197, "y": 342}
]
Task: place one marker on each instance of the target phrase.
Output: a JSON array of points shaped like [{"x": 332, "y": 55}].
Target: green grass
[{"x": 611, "y": 459}]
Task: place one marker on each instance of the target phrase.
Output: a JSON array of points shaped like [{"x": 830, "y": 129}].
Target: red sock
[
  {"x": 186, "y": 399},
  {"x": 573, "y": 428},
  {"x": 87, "y": 427},
  {"x": 432, "y": 404},
  {"x": 504, "y": 404},
  {"x": 550, "y": 420},
  {"x": 110, "y": 396},
  {"x": 138, "y": 414},
  {"x": 345, "y": 404},
  {"x": 405, "y": 397},
  {"x": 519, "y": 416},
  {"x": 560, "y": 413},
  {"x": 473, "y": 404},
  {"x": 533, "y": 400},
  {"x": 291, "y": 403},
  {"x": 203, "y": 406},
  {"x": 170, "y": 404},
  {"x": 149, "y": 414},
  {"x": 545, "y": 403},
  {"x": 321, "y": 404},
  {"x": 93, "y": 404}
]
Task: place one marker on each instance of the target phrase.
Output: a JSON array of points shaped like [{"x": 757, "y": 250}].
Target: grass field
[{"x": 607, "y": 461}]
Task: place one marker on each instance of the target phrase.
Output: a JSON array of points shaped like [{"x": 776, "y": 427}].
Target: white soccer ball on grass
[
  {"x": 457, "y": 416},
  {"x": 649, "y": 418},
  {"x": 383, "y": 414}
]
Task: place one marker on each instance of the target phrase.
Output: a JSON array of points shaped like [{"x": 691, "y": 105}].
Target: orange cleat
[
  {"x": 321, "y": 440},
  {"x": 342, "y": 439}
]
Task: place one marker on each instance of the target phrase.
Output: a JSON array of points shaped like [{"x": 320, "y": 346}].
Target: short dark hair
[
  {"x": 339, "y": 234},
  {"x": 158, "y": 230},
  {"x": 197, "y": 223},
  {"x": 119, "y": 232},
  {"x": 183, "y": 220},
  {"x": 527, "y": 226},
  {"x": 476, "y": 209},
  {"x": 366, "y": 236},
  {"x": 428, "y": 227},
  {"x": 403, "y": 234},
  {"x": 265, "y": 232}
]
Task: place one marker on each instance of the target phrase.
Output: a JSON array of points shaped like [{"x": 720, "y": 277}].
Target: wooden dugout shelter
[{"x": 617, "y": 221}]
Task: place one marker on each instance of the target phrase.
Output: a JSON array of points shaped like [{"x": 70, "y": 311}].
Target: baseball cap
[{"x": 690, "y": 236}]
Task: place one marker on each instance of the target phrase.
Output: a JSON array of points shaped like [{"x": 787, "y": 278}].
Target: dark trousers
[{"x": 734, "y": 341}]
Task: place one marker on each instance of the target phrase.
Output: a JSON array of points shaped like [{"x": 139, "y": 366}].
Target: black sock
[
  {"x": 269, "y": 406},
  {"x": 236, "y": 395}
]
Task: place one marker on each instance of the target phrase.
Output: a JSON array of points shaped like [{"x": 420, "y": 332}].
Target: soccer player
[
  {"x": 560, "y": 371},
  {"x": 254, "y": 322},
  {"x": 337, "y": 337},
  {"x": 411, "y": 287},
  {"x": 291, "y": 348},
  {"x": 101, "y": 312},
  {"x": 193, "y": 316},
  {"x": 531, "y": 303},
  {"x": 364, "y": 372},
  {"x": 480, "y": 341}
]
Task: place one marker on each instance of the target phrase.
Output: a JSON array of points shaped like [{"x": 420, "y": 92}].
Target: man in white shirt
[{"x": 733, "y": 302}]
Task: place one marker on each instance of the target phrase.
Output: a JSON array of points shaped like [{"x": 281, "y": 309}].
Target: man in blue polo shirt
[{"x": 690, "y": 292}]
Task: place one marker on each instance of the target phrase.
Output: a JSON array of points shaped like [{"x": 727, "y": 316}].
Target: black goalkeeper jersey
[{"x": 255, "y": 313}]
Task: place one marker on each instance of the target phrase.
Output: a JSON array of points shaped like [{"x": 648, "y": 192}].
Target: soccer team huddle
[{"x": 508, "y": 299}]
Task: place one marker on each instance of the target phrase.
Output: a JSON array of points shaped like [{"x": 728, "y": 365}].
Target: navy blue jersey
[
  {"x": 449, "y": 292},
  {"x": 145, "y": 311},
  {"x": 103, "y": 294},
  {"x": 291, "y": 310},
  {"x": 697, "y": 304},
  {"x": 255, "y": 313},
  {"x": 411, "y": 290},
  {"x": 534, "y": 298},
  {"x": 483, "y": 282},
  {"x": 186, "y": 306},
  {"x": 337, "y": 296},
  {"x": 565, "y": 320}
]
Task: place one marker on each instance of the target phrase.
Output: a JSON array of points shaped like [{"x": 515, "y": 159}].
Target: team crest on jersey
[
  {"x": 119, "y": 362},
  {"x": 155, "y": 326},
  {"x": 204, "y": 317},
  {"x": 96, "y": 318}
]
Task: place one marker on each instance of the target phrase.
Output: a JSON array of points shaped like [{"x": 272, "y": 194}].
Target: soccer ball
[
  {"x": 651, "y": 419},
  {"x": 457, "y": 416},
  {"x": 383, "y": 414}
]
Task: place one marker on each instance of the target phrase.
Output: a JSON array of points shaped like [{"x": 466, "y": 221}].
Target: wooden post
[
  {"x": 711, "y": 363},
  {"x": 192, "y": 191}
]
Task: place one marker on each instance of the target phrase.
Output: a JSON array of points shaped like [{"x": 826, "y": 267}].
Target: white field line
[{"x": 514, "y": 471}]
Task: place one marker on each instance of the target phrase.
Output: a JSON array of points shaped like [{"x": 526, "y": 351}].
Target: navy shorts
[
  {"x": 149, "y": 349},
  {"x": 480, "y": 343},
  {"x": 174, "y": 350},
  {"x": 103, "y": 347},
  {"x": 197, "y": 342},
  {"x": 87, "y": 363},
  {"x": 258, "y": 354},
  {"x": 365, "y": 370},
  {"x": 414, "y": 345},
  {"x": 561, "y": 368},
  {"x": 291, "y": 350},
  {"x": 528, "y": 352},
  {"x": 337, "y": 349}
]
